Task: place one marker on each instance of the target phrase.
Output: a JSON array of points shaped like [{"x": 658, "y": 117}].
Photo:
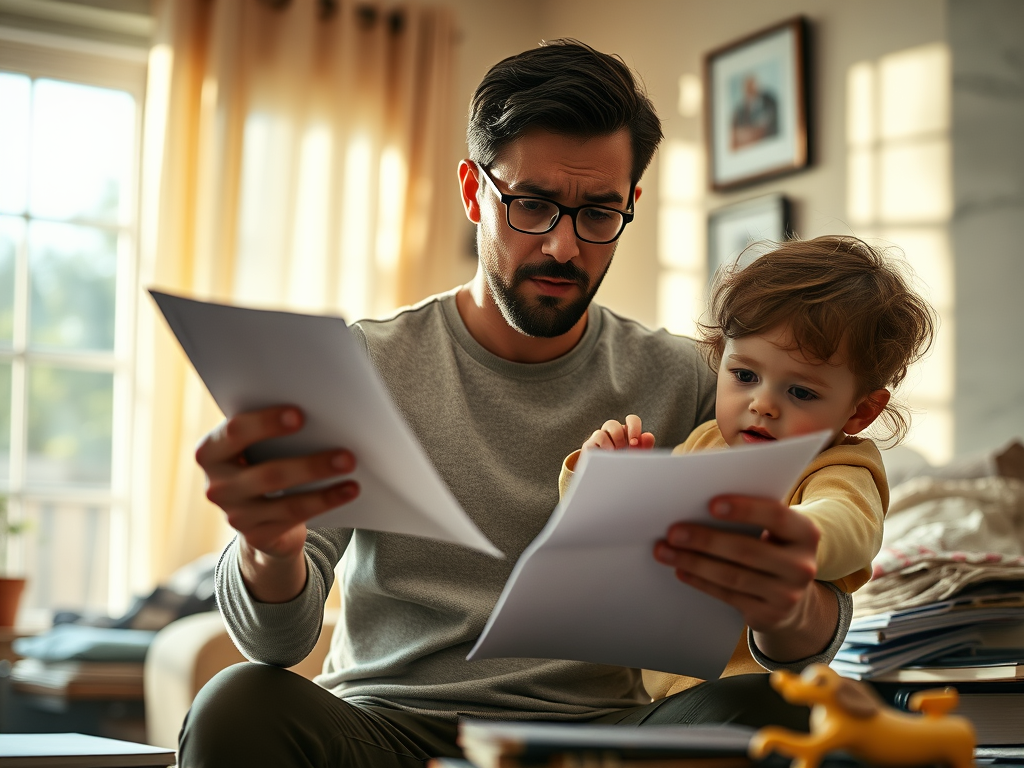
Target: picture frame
[
  {"x": 732, "y": 228},
  {"x": 756, "y": 106}
]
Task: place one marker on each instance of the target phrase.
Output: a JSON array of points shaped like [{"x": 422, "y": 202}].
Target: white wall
[
  {"x": 988, "y": 219},
  {"x": 960, "y": 407}
]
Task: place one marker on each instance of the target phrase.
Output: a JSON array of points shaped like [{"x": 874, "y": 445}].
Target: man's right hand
[{"x": 272, "y": 530}]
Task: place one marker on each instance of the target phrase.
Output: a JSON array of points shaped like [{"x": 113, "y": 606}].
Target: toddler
[{"x": 811, "y": 336}]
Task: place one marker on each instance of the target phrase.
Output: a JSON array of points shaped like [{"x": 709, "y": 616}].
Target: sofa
[{"x": 186, "y": 654}]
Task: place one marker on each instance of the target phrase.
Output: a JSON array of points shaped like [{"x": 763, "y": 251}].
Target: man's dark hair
[{"x": 565, "y": 87}]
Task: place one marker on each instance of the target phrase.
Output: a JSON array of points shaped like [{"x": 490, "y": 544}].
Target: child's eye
[
  {"x": 802, "y": 394},
  {"x": 744, "y": 376}
]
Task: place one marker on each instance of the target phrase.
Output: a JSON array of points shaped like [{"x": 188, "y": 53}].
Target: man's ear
[
  {"x": 469, "y": 185},
  {"x": 636, "y": 194},
  {"x": 869, "y": 408}
]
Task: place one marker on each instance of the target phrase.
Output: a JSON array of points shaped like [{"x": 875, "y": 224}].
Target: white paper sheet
[
  {"x": 588, "y": 587},
  {"x": 251, "y": 359}
]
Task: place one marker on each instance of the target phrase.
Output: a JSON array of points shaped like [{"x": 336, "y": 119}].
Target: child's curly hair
[{"x": 838, "y": 295}]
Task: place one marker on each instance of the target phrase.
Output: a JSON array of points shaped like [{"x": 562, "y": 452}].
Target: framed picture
[
  {"x": 756, "y": 106},
  {"x": 732, "y": 228}
]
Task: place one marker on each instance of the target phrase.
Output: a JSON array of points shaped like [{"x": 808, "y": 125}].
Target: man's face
[{"x": 542, "y": 284}]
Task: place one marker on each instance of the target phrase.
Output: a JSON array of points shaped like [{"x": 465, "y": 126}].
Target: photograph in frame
[
  {"x": 733, "y": 227},
  {"x": 756, "y": 93}
]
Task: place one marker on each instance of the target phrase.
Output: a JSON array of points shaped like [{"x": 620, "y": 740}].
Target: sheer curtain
[{"x": 292, "y": 154}]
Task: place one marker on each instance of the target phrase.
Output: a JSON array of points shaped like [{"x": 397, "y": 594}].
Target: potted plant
[{"x": 10, "y": 587}]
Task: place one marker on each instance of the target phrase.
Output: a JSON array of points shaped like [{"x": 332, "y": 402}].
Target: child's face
[{"x": 768, "y": 392}]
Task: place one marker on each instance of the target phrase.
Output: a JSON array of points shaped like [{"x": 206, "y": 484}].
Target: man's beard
[{"x": 545, "y": 316}]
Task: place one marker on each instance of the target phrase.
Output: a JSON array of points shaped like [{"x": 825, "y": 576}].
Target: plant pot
[{"x": 10, "y": 595}]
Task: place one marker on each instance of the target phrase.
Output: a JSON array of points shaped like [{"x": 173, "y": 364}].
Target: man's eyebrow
[{"x": 533, "y": 188}]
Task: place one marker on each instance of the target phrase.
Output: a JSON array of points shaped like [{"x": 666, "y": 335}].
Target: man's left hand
[{"x": 769, "y": 580}]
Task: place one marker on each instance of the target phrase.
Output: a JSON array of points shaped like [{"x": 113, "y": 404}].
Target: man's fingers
[
  {"x": 278, "y": 475},
  {"x": 762, "y": 557},
  {"x": 227, "y": 441},
  {"x": 285, "y": 512},
  {"x": 781, "y": 522}
]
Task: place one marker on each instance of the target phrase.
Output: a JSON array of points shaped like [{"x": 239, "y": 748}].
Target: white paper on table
[
  {"x": 588, "y": 587},
  {"x": 253, "y": 358}
]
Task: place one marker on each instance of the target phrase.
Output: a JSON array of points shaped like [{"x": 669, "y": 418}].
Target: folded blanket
[{"x": 943, "y": 535}]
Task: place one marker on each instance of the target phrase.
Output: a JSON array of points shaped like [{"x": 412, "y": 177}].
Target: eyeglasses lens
[{"x": 539, "y": 216}]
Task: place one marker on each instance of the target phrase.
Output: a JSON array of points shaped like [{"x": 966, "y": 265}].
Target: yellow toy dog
[{"x": 850, "y": 716}]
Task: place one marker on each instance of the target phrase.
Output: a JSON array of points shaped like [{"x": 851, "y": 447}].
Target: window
[{"x": 69, "y": 148}]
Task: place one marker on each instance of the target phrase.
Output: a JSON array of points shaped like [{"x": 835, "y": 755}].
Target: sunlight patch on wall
[
  {"x": 681, "y": 236},
  {"x": 899, "y": 193},
  {"x": 691, "y": 95},
  {"x": 915, "y": 182},
  {"x": 915, "y": 93}
]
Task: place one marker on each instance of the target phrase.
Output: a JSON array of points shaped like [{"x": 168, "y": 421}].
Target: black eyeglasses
[{"x": 537, "y": 215}]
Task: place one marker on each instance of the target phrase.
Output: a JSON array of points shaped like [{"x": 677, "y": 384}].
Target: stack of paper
[{"x": 966, "y": 636}]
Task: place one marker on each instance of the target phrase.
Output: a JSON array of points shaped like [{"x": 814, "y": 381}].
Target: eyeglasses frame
[{"x": 563, "y": 210}]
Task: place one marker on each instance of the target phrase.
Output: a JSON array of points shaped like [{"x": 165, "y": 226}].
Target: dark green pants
[{"x": 255, "y": 715}]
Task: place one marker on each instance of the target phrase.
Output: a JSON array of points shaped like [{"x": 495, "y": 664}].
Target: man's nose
[{"x": 561, "y": 243}]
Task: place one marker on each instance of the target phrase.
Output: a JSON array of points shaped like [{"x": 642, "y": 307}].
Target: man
[{"x": 499, "y": 379}]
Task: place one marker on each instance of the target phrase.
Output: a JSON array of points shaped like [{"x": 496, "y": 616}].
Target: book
[
  {"x": 489, "y": 744},
  {"x": 996, "y": 709},
  {"x": 94, "y": 679},
  {"x": 971, "y": 664},
  {"x": 76, "y": 750},
  {"x": 994, "y": 621},
  {"x": 868, "y": 661}
]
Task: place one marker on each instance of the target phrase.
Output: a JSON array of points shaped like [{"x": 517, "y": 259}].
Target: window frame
[{"x": 40, "y": 55}]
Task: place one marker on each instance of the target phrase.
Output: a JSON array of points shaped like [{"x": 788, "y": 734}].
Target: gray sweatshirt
[{"x": 497, "y": 432}]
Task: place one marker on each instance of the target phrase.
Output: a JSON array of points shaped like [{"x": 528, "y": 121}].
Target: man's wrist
[
  {"x": 808, "y": 633},
  {"x": 271, "y": 579}
]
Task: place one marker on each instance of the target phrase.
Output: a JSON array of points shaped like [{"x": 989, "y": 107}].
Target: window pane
[
  {"x": 72, "y": 277},
  {"x": 82, "y": 172},
  {"x": 15, "y": 103},
  {"x": 11, "y": 234},
  {"x": 67, "y": 552},
  {"x": 5, "y": 421},
  {"x": 70, "y": 416}
]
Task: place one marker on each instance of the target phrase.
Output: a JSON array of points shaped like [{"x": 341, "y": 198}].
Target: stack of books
[
  {"x": 79, "y": 679},
  {"x": 497, "y": 744},
  {"x": 973, "y": 642},
  {"x": 980, "y": 633}
]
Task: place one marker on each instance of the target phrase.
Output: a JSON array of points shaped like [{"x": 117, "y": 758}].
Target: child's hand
[{"x": 613, "y": 436}]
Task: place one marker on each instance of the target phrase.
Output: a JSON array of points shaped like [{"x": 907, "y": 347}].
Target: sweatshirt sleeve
[
  {"x": 845, "y": 494},
  {"x": 565, "y": 476},
  {"x": 281, "y": 634},
  {"x": 845, "y": 601}
]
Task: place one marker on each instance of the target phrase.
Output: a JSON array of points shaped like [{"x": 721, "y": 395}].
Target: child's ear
[{"x": 868, "y": 409}]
